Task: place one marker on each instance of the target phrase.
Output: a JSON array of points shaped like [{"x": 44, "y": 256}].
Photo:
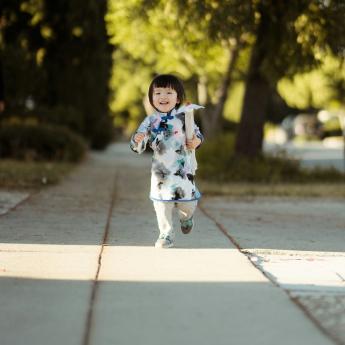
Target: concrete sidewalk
[
  {"x": 77, "y": 266},
  {"x": 297, "y": 243}
]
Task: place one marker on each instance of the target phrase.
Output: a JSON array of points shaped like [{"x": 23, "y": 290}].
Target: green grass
[
  {"x": 325, "y": 190},
  {"x": 31, "y": 175},
  {"x": 218, "y": 163},
  {"x": 221, "y": 172}
]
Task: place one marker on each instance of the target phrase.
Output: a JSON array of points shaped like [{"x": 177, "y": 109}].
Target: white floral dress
[{"x": 172, "y": 173}]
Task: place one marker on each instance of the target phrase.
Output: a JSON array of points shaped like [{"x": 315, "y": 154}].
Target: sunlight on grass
[
  {"x": 22, "y": 175},
  {"x": 331, "y": 190}
]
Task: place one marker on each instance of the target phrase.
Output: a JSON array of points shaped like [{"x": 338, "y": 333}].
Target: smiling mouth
[{"x": 163, "y": 103}]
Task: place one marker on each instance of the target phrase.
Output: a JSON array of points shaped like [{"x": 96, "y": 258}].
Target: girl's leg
[
  {"x": 164, "y": 218},
  {"x": 186, "y": 209}
]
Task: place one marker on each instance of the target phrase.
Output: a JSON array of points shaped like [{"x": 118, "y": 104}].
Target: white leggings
[{"x": 164, "y": 212}]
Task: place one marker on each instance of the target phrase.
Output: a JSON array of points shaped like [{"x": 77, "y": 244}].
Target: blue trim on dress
[{"x": 196, "y": 199}]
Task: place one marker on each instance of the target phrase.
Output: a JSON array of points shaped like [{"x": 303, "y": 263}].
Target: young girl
[{"x": 173, "y": 171}]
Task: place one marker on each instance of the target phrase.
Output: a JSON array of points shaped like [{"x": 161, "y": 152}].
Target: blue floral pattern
[{"x": 172, "y": 176}]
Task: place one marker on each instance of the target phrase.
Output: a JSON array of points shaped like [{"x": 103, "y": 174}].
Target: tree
[
  {"x": 230, "y": 22},
  {"x": 159, "y": 37},
  {"x": 20, "y": 43},
  {"x": 78, "y": 62},
  {"x": 287, "y": 38},
  {"x": 58, "y": 52}
]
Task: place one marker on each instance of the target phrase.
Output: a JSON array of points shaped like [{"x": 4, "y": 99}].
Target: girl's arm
[
  {"x": 145, "y": 129},
  {"x": 198, "y": 134}
]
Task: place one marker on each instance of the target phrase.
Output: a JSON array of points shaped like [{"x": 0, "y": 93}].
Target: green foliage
[
  {"x": 56, "y": 53},
  {"x": 217, "y": 162},
  {"x": 78, "y": 61},
  {"x": 155, "y": 40},
  {"x": 20, "y": 44},
  {"x": 332, "y": 127},
  {"x": 192, "y": 38},
  {"x": 296, "y": 32},
  {"x": 102, "y": 133},
  {"x": 163, "y": 39},
  {"x": 40, "y": 142},
  {"x": 60, "y": 115},
  {"x": 320, "y": 88},
  {"x": 23, "y": 77}
]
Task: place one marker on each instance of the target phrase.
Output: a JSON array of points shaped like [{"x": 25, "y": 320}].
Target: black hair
[{"x": 167, "y": 80}]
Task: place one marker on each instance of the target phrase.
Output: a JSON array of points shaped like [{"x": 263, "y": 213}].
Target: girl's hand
[
  {"x": 193, "y": 143},
  {"x": 139, "y": 137}
]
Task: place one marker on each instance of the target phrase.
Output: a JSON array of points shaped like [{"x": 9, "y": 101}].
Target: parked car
[{"x": 302, "y": 125}]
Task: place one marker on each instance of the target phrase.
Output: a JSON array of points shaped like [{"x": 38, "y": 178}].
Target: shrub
[
  {"x": 217, "y": 162},
  {"x": 60, "y": 115},
  {"x": 40, "y": 142},
  {"x": 102, "y": 134}
]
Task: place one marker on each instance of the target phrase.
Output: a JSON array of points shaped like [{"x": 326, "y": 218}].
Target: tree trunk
[
  {"x": 250, "y": 132},
  {"x": 216, "y": 115},
  {"x": 203, "y": 99},
  {"x": 211, "y": 116}
]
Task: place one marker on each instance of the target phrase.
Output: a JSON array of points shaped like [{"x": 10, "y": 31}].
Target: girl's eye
[{"x": 157, "y": 93}]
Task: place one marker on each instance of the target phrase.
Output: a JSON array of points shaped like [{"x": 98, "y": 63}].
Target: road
[{"x": 312, "y": 154}]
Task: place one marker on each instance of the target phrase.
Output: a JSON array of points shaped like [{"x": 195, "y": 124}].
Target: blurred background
[{"x": 271, "y": 75}]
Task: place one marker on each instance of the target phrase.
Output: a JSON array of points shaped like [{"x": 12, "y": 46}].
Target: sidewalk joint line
[
  {"x": 316, "y": 322},
  {"x": 95, "y": 285},
  {"x": 220, "y": 227},
  {"x": 340, "y": 276}
]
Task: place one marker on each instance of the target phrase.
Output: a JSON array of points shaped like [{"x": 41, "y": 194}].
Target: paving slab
[{"x": 10, "y": 199}]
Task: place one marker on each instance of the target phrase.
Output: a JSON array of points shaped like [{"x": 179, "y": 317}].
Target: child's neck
[{"x": 166, "y": 113}]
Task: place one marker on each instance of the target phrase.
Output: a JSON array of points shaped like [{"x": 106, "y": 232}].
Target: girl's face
[{"x": 164, "y": 99}]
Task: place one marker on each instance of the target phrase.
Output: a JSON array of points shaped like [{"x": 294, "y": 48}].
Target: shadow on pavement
[{"x": 127, "y": 313}]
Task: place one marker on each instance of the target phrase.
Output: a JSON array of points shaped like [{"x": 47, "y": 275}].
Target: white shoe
[{"x": 164, "y": 242}]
